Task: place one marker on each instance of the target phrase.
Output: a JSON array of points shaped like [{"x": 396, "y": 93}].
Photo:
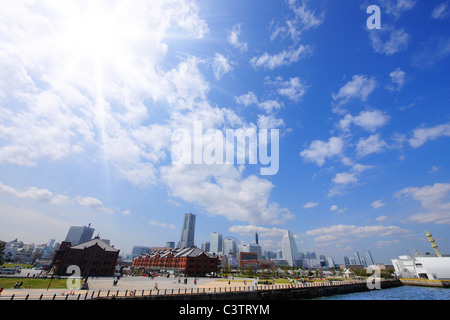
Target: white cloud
[
  {"x": 250, "y": 231},
  {"x": 269, "y": 122},
  {"x": 360, "y": 87},
  {"x": 247, "y": 99},
  {"x": 339, "y": 234},
  {"x": 161, "y": 224},
  {"x": 284, "y": 58},
  {"x": 319, "y": 151},
  {"x": 269, "y": 106},
  {"x": 441, "y": 11},
  {"x": 46, "y": 195},
  {"x": 381, "y": 218},
  {"x": 434, "y": 200},
  {"x": 345, "y": 178},
  {"x": 92, "y": 203},
  {"x": 337, "y": 209},
  {"x": 423, "y": 135},
  {"x": 372, "y": 144},
  {"x": 233, "y": 38},
  {"x": 377, "y": 204},
  {"x": 436, "y": 49},
  {"x": 294, "y": 89},
  {"x": 398, "y": 79},
  {"x": 303, "y": 20},
  {"x": 310, "y": 205},
  {"x": 221, "y": 66},
  {"x": 368, "y": 120},
  {"x": 434, "y": 169},
  {"x": 397, "y": 7},
  {"x": 221, "y": 190},
  {"x": 388, "y": 40}
]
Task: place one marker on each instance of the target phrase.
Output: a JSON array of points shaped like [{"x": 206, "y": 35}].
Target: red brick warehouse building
[
  {"x": 94, "y": 258},
  {"x": 189, "y": 261}
]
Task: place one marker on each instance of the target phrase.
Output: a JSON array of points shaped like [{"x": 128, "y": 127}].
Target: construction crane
[{"x": 433, "y": 244}]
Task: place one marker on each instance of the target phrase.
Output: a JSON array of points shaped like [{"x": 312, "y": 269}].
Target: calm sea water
[{"x": 398, "y": 293}]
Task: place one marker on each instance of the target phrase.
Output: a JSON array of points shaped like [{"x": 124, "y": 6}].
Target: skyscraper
[
  {"x": 252, "y": 247},
  {"x": 230, "y": 248},
  {"x": 357, "y": 258},
  {"x": 369, "y": 258},
  {"x": 78, "y": 235},
  {"x": 216, "y": 243},
  {"x": 188, "y": 231},
  {"x": 289, "y": 248},
  {"x": 205, "y": 246},
  {"x": 138, "y": 250}
]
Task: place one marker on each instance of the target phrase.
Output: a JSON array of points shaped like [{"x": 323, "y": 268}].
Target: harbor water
[{"x": 398, "y": 293}]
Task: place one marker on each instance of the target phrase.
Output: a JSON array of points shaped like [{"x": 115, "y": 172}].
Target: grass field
[{"x": 34, "y": 283}]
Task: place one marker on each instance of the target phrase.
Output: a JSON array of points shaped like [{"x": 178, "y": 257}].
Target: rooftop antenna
[{"x": 433, "y": 244}]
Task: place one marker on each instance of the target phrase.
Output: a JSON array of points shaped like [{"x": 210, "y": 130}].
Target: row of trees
[
  {"x": 278, "y": 272},
  {"x": 2, "y": 249}
]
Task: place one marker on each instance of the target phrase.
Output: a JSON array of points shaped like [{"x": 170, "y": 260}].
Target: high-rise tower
[
  {"x": 188, "y": 231},
  {"x": 369, "y": 258},
  {"x": 357, "y": 258},
  {"x": 78, "y": 235},
  {"x": 216, "y": 243},
  {"x": 289, "y": 248}
]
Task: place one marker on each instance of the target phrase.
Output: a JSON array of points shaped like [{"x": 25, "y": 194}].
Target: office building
[
  {"x": 252, "y": 247},
  {"x": 216, "y": 243},
  {"x": 138, "y": 250},
  {"x": 205, "y": 246},
  {"x": 357, "y": 257},
  {"x": 369, "y": 258},
  {"x": 230, "y": 248},
  {"x": 289, "y": 248},
  {"x": 248, "y": 259},
  {"x": 188, "y": 231},
  {"x": 330, "y": 262},
  {"x": 170, "y": 245},
  {"x": 77, "y": 235},
  {"x": 346, "y": 260}
]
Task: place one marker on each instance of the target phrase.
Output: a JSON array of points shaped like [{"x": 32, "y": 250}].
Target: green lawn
[{"x": 35, "y": 283}]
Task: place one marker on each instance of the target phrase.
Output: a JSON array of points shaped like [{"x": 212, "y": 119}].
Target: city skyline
[
  {"x": 230, "y": 246},
  {"x": 352, "y": 121}
]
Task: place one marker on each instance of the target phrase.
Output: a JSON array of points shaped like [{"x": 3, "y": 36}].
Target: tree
[{"x": 2, "y": 249}]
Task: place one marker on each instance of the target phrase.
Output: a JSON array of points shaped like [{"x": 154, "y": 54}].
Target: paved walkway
[{"x": 139, "y": 285}]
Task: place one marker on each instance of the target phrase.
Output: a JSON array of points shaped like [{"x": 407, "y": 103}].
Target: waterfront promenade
[{"x": 168, "y": 288}]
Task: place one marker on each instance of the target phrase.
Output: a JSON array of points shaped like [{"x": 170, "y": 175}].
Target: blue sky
[{"x": 91, "y": 92}]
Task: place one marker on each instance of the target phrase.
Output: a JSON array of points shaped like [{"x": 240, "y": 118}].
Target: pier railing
[{"x": 113, "y": 294}]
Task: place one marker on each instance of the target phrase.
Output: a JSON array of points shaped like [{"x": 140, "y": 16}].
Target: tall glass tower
[
  {"x": 216, "y": 243},
  {"x": 77, "y": 235},
  {"x": 357, "y": 258},
  {"x": 188, "y": 231},
  {"x": 289, "y": 249},
  {"x": 369, "y": 258}
]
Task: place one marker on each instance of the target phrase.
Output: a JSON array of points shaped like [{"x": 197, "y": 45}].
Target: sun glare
[{"x": 92, "y": 32}]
